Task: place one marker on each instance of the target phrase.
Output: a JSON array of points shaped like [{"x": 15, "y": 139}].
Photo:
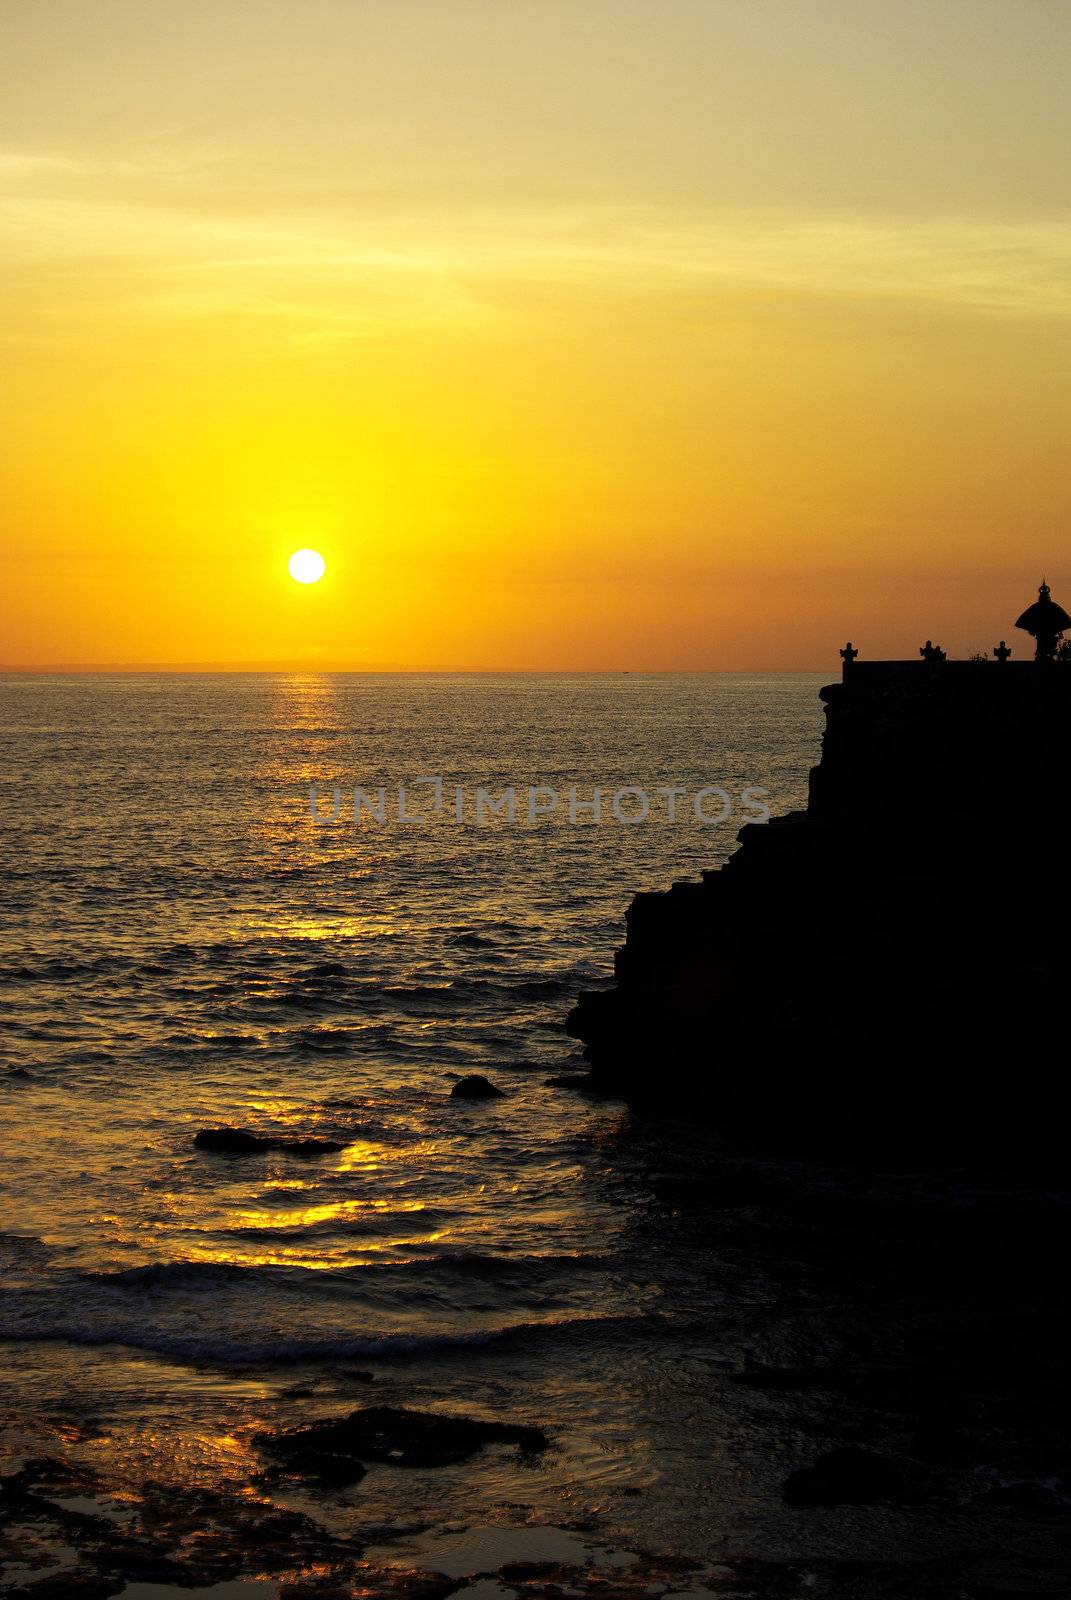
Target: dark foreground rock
[
  {"x": 240, "y": 1142},
  {"x": 475, "y": 1087},
  {"x": 336, "y": 1452},
  {"x": 188, "y": 1537}
]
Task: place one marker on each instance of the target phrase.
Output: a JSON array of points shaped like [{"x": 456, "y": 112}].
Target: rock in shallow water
[
  {"x": 335, "y": 1452},
  {"x": 475, "y": 1087}
]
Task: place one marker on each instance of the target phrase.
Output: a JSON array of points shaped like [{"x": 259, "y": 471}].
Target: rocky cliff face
[{"x": 891, "y": 959}]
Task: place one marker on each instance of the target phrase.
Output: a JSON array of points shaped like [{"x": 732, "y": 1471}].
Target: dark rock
[
  {"x": 335, "y": 1452},
  {"x": 45, "y": 1475},
  {"x": 14, "y": 1492},
  {"x": 525, "y": 1571},
  {"x": 146, "y": 1563},
  {"x": 475, "y": 1087},
  {"x": 857, "y": 1477},
  {"x": 232, "y": 1141},
  {"x": 331, "y": 1469},
  {"x": 942, "y": 1444},
  {"x": 72, "y": 1585},
  {"x": 240, "y": 1142},
  {"x": 1038, "y": 1499},
  {"x": 276, "y": 1528}
]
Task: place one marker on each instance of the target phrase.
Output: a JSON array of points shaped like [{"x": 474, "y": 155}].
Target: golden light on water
[{"x": 307, "y": 566}]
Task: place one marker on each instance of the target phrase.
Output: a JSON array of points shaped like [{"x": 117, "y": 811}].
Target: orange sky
[{"x": 573, "y": 333}]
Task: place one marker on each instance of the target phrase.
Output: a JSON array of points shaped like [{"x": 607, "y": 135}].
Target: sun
[{"x": 307, "y": 566}]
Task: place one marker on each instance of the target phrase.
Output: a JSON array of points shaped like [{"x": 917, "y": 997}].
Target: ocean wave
[
  {"x": 169, "y": 1274},
  {"x": 220, "y": 1041},
  {"x": 538, "y": 988},
  {"x": 17, "y": 1249},
  {"x": 481, "y": 1263},
  {"x": 449, "y": 990},
  {"x": 327, "y": 1040},
  {"x": 56, "y": 970},
  {"x": 249, "y": 996},
  {"x": 420, "y": 1266},
  {"x": 220, "y": 1350}
]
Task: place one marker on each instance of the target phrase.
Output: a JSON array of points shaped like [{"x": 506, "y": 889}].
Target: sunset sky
[{"x": 573, "y": 333}]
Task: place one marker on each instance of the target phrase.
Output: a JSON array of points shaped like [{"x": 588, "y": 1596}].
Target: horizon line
[{"x": 137, "y": 669}]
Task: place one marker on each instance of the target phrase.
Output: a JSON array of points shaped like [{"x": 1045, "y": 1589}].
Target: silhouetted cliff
[{"x": 891, "y": 960}]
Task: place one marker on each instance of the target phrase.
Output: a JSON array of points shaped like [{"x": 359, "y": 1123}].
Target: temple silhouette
[{"x": 888, "y": 964}]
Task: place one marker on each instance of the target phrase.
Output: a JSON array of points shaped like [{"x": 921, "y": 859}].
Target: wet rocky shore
[{"x": 894, "y": 1416}]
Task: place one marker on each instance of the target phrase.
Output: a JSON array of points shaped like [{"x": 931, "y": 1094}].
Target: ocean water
[{"x": 184, "y": 947}]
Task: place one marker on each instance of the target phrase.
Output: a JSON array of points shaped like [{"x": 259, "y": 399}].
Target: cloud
[{"x": 157, "y": 237}]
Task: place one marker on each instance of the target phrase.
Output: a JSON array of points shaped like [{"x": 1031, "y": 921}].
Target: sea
[{"x": 191, "y": 939}]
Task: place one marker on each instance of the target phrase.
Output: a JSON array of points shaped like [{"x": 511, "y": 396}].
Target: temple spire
[{"x": 1046, "y": 621}]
